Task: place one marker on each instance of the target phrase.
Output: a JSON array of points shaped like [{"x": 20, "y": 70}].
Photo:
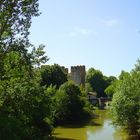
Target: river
[{"x": 100, "y": 128}]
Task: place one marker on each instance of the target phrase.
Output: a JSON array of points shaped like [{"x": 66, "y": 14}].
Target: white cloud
[
  {"x": 79, "y": 31},
  {"x": 110, "y": 22}
]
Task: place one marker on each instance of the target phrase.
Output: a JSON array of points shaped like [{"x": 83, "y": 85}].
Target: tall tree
[
  {"x": 71, "y": 105},
  {"x": 112, "y": 82},
  {"x": 24, "y": 105},
  {"x": 15, "y": 19},
  {"x": 137, "y": 66},
  {"x": 38, "y": 56},
  {"x": 97, "y": 81},
  {"x": 110, "y": 90},
  {"x": 126, "y": 103},
  {"x": 23, "y": 101},
  {"x": 53, "y": 75}
]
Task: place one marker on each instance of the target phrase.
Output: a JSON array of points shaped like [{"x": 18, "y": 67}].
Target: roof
[{"x": 92, "y": 93}]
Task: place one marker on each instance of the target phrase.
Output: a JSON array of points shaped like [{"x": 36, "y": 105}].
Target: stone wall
[{"x": 78, "y": 74}]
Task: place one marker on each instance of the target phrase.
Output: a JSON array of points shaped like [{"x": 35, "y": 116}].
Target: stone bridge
[{"x": 102, "y": 101}]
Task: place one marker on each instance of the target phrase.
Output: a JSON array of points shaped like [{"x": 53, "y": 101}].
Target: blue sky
[{"x": 103, "y": 34}]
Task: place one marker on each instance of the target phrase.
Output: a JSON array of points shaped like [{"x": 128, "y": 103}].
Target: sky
[{"x": 103, "y": 34}]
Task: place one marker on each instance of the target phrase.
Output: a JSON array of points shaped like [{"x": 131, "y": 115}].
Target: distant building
[
  {"x": 92, "y": 97},
  {"x": 78, "y": 74}
]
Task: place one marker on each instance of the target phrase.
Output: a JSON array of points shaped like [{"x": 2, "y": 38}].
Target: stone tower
[{"x": 78, "y": 74}]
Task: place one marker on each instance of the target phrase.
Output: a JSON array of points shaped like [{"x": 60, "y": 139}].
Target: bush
[
  {"x": 71, "y": 104},
  {"x": 126, "y": 102}
]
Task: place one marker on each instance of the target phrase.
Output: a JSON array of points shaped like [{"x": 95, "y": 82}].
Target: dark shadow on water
[
  {"x": 81, "y": 125},
  {"x": 73, "y": 126},
  {"x": 89, "y": 122},
  {"x": 94, "y": 124},
  {"x": 77, "y": 124}
]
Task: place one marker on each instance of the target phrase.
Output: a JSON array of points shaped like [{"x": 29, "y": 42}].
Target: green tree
[
  {"x": 24, "y": 105},
  {"x": 123, "y": 75},
  {"x": 137, "y": 66},
  {"x": 110, "y": 90},
  {"x": 112, "y": 83},
  {"x": 88, "y": 88},
  {"x": 125, "y": 104},
  {"x": 111, "y": 79},
  {"x": 15, "y": 19},
  {"x": 70, "y": 103},
  {"x": 52, "y": 75},
  {"x": 23, "y": 102},
  {"x": 38, "y": 56},
  {"x": 97, "y": 81}
]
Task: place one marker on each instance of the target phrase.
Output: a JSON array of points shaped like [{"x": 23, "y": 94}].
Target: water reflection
[{"x": 100, "y": 128}]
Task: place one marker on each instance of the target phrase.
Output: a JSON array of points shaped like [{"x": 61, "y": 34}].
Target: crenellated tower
[{"x": 78, "y": 74}]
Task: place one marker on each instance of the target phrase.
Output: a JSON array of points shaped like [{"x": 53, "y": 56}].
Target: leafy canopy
[
  {"x": 126, "y": 102},
  {"x": 97, "y": 81},
  {"x": 53, "y": 75},
  {"x": 15, "y": 19}
]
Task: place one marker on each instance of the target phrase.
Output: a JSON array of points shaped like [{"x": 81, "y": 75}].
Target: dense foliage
[
  {"x": 38, "y": 56},
  {"x": 29, "y": 101},
  {"x": 110, "y": 90},
  {"x": 24, "y": 105},
  {"x": 34, "y": 98},
  {"x": 126, "y": 102},
  {"x": 69, "y": 99},
  {"x": 15, "y": 20},
  {"x": 53, "y": 75},
  {"x": 98, "y": 81}
]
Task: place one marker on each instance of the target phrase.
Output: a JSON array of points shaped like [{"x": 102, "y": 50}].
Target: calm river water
[{"x": 99, "y": 129}]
